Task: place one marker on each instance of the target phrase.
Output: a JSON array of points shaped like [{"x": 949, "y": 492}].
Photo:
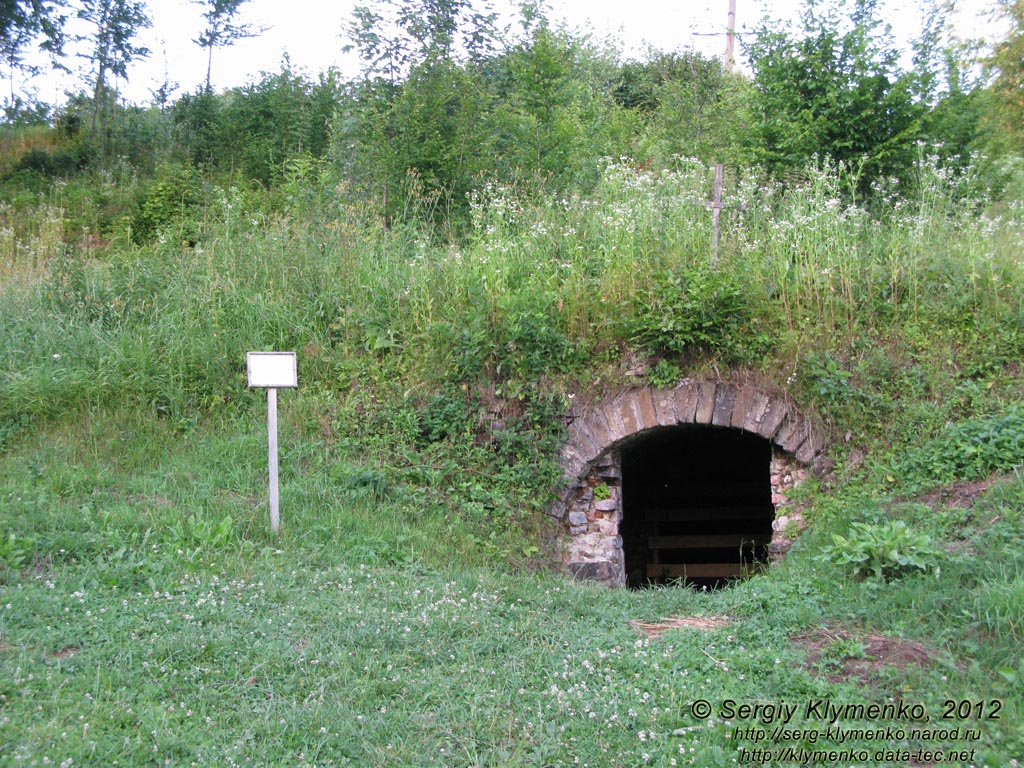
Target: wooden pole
[
  {"x": 730, "y": 38},
  {"x": 716, "y": 212},
  {"x": 272, "y": 442}
]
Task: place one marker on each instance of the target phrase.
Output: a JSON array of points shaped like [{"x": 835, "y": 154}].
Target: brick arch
[{"x": 590, "y": 455}]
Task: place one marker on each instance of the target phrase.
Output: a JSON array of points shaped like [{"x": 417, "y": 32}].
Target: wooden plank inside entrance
[
  {"x": 699, "y": 570},
  {"x": 707, "y": 541}
]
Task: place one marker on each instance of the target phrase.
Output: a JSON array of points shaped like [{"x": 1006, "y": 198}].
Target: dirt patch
[
  {"x": 962, "y": 493},
  {"x": 66, "y": 652},
  {"x": 841, "y": 655},
  {"x": 703, "y": 623}
]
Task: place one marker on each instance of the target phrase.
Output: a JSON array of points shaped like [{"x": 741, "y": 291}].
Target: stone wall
[{"x": 591, "y": 503}]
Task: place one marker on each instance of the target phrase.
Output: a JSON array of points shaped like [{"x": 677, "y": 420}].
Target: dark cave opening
[{"x": 697, "y": 506}]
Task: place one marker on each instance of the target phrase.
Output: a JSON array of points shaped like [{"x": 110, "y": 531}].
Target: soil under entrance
[{"x": 696, "y": 505}]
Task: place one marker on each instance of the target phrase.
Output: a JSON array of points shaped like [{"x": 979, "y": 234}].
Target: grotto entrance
[
  {"x": 696, "y": 505},
  {"x": 685, "y": 483}
]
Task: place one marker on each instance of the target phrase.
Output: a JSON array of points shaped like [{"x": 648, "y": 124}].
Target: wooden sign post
[
  {"x": 716, "y": 205},
  {"x": 271, "y": 371}
]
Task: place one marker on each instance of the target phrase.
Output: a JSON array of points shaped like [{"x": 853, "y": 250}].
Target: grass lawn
[{"x": 147, "y": 617}]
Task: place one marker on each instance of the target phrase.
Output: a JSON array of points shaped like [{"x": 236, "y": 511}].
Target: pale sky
[{"x": 309, "y": 31}]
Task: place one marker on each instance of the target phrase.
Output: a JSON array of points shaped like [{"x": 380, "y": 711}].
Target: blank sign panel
[{"x": 272, "y": 370}]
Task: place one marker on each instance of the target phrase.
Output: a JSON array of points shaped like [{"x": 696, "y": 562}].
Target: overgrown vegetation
[{"x": 465, "y": 247}]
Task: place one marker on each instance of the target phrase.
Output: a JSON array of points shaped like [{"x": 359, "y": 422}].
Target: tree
[
  {"x": 30, "y": 23},
  {"x": 540, "y": 121},
  {"x": 834, "y": 93},
  {"x": 115, "y": 24},
  {"x": 221, "y": 29},
  {"x": 412, "y": 123},
  {"x": 1007, "y": 63},
  {"x": 25, "y": 24},
  {"x": 689, "y": 105}
]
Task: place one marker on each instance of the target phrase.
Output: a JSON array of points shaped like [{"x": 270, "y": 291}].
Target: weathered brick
[
  {"x": 644, "y": 406},
  {"x": 628, "y": 416},
  {"x": 598, "y": 570},
  {"x": 755, "y": 415},
  {"x": 573, "y": 465},
  {"x": 705, "y": 403},
  {"x": 786, "y": 432},
  {"x": 686, "y": 395},
  {"x": 776, "y": 413},
  {"x": 744, "y": 399},
  {"x": 808, "y": 451},
  {"x": 586, "y": 444},
  {"x": 665, "y": 407},
  {"x": 792, "y": 435},
  {"x": 599, "y": 428},
  {"x": 610, "y": 412},
  {"x": 725, "y": 399},
  {"x": 558, "y": 510}
]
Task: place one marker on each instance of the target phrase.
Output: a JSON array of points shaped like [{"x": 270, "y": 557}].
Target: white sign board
[{"x": 272, "y": 370}]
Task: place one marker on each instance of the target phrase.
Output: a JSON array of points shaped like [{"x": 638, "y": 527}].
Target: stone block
[
  {"x": 755, "y": 414},
  {"x": 744, "y": 399},
  {"x": 644, "y": 407},
  {"x": 665, "y": 407},
  {"x": 822, "y": 466},
  {"x": 686, "y": 395},
  {"x": 792, "y": 434},
  {"x": 606, "y": 505},
  {"x": 705, "y": 402},
  {"x": 628, "y": 416},
  {"x": 587, "y": 447},
  {"x": 602, "y": 433},
  {"x": 599, "y": 570},
  {"x": 775, "y": 415},
  {"x": 573, "y": 465},
  {"x": 610, "y": 414},
  {"x": 725, "y": 399},
  {"x": 808, "y": 450}
]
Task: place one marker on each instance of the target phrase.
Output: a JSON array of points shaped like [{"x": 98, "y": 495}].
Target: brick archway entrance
[{"x": 687, "y": 483}]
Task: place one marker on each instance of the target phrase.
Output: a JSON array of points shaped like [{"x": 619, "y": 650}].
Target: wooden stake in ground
[
  {"x": 271, "y": 371},
  {"x": 716, "y": 205}
]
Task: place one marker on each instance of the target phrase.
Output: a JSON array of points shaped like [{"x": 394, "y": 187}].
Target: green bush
[
  {"x": 170, "y": 203},
  {"x": 966, "y": 450},
  {"x": 59, "y": 162},
  {"x": 885, "y": 551},
  {"x": 446, "y": 414},
  {"x": 691, "y": 310}
]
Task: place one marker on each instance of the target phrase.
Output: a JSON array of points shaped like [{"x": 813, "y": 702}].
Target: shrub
[
  {"x": 172, "y": 201},
  {"x": 967, "y": 450},
  {"x": 692, "y": 309},
  {"x": 59, "y": 162},
  {"x": 885, "y": 551}
]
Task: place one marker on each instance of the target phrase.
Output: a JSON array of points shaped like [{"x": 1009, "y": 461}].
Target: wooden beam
[
  {"x": 699, "y": 570},
  {"x": 761, "y": 513},
  {"x": 708, "y": 541}
]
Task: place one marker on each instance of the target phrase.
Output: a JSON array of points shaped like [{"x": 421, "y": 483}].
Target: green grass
[
  {"x": 137, "y": 627},
  {"x": 406, "y": 614}
]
